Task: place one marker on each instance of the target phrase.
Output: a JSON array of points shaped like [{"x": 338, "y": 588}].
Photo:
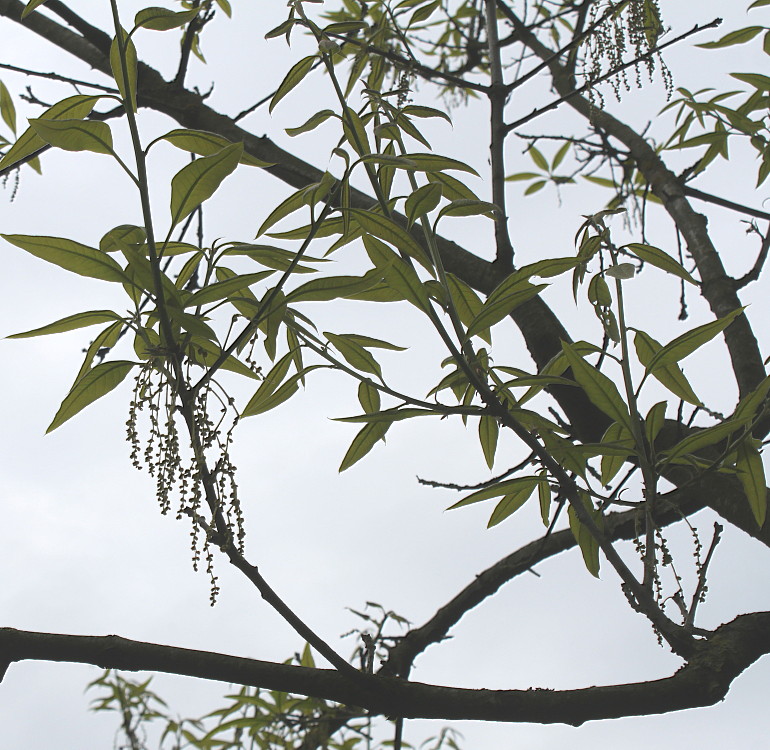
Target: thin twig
[{"x": 697, "y": 597}]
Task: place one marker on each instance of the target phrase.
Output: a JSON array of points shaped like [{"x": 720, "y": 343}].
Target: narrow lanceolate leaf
[
  {"x": 508, "y": 487},
  {"x": 435, "y": 163},
  {"x": 125, "y": 77},
  {"x": 368, "y": 397},
  {"x": 489, "y": 429},
  {"x": 396, "y": 414},
  {"x": 70, "y": 323},
  {"x": 7, "y": 108},
  {"x": 104, "y": 341},
  {"x": 223, "y": 289},
  {"x": 615, "y": 435},
  {"x": 684, "y": 345},
  {"x": 70, "y": 255},
  {"x": 502, "y": 302},
  {"x": 656, "y": 257},
  {"x": 703, "y": 439},
  {"x": 398, "y": 275},
  {"x": 422, "y": 201},
  {"x": 741, "y": 36},
  {"x": 602, "y": 392},
  {"x": 203, "y": 143},
  {"x": 205, "y": 352},
  {"x": 466, "y": 207},
  {"x": 355, "y": 354},
  {"x": 544, "y": 497},
  {"x": 29, "y": 141},
  {"x": 451, "y": 187},
  {"x": 671, "y": 376},
  {"x": 751, "y": 472},
  {"x": 75, "y": 135},
  {"x": 162, "y": 19},
  {"x": 293, "y": 78},
  {"x": 749, "y": 404},
  {"x": 284, "y": 393},
  {"x": 588, "y": 545},
  {"x": 30, "y": 6},
  {"x": 333, "y": 287},
  {"x": 363, "y": 442},
  {"x": 312, "y": 123},
  {"x": 466, "y": 303},
  {"x": 198, "y": 181},
  {"x": 389, "y": 231},
  {"x": 92, "y": 386},
  {"x": 511, "y": 503}
]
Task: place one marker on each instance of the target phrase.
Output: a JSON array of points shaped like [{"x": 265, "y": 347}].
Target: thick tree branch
[{"x": 704, "y": 681}]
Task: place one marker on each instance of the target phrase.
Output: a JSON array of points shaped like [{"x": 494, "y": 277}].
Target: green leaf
[
  {"x": 275, "y": 257},
  {"x": 684, "y": 345},
  {"x": 104, "y": 341},
  {"x": 206, "y": 352},
  {"x": 70, "y": 323},
  {"x": 399, "y": 276},
  {"x": 601, "y": 391},
  {"x": 740, "y": 36},
  {"x": 704, "y": 438},
  {"x": 222, "y": 289},
  {"x": 466, "y": 303},
  {"x": 422, "y": 201},
  {"x": 506, "y": 297},
  {"x": 751, "y": 402},
  {"x": 544, "y": 497},
  {"x": 615, "y": 435},
  {"x": 396, "y": 414},
  {"x": 312, "y": 123},
  {"x": 371, "y": 343},
  {"x": 122, "y": 237},
  {"x": 758, "y": 4},
  {"x": 355, "y": 354},
  {"x": 75, "y": 135},
  {"x": 489, "y": 429},
  {"x": 560, "y": 154},
  {"x": 466, "y": 207},
  {"x": 92, "y": 386},
  {"x": 654, "y": 421},
  {"x": 29, "y": 141},
  {"x": 368, "y": 397},
  {"x": 451, "y": 187},
  {"x": 656, "y": 257},
  {"x": 588, "y": 545},
  {"x": 126, "y": 80},
  {"x": 669, "y": 375},
  {"x": 7, "y": 108},
  {"x": 162, "y": 19},
  {"x": 511, "y": 503},
  {"x": 197, "y": 182},
  {"x": 757, "y": 80},
  {"x": 363, "y": 442},
  {"x": 203, "y": 143},
  {"x": 293, "y": 78},
  {"x": 353, "y": 127},
  {"x": 434, "y": 163},
  {"x": 30, "y": 6},
  {"x": 538, "y": 158},
  {"x": 751, "y": 472},
  {"x": 282, "y": 394},
  {"x": 508, "y": 487},
  {"x": 521, "y": 176},
  {"x": 70, "y": 255},
  {"x": 414, "y": 110},
  {"x": 333, "y": 287},
  {"x": 388, "y": 230}
]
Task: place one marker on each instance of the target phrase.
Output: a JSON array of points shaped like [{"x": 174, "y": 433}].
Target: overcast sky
[{"x": 83, "y": 548}]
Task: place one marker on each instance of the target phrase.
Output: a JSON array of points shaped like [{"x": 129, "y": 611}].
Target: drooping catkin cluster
[
  {"x": 630, "y": 34},
  {"x": 203, "y": 481}
]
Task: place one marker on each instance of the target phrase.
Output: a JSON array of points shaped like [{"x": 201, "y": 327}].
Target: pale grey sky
[{"x": 83, "y": 548}]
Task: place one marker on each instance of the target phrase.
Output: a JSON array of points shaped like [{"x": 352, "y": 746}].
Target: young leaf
[
  {"x": 222, "y": 289},
  {"x": 751, "y": 472},
  {"x": 615, "y": 434},
  {"x": 162, "y": 19},
  {"x": 293, "y": 78},
  {"x": 511, "y": 503},
  {"x": 368, "y": 397},
  {"x": 387, "y": 229},
  {"x": 75, "y": 135},
  {"x": 508, "y": 487},
  {"x": 125, "y": 78},
  {"x": 434, "y": 163},
  {"x": 703, "y": 439},
  {"x": 671, "y": 376},
  {"x": 70, "y": 255},
  {"x": 656, "y": 257},
  {"x": 363, "y": 442},
  {"x": 203, "y": 143},
  {"x": 7, "y": 108},
  {"x": 588, "y": 545},
  {"x": 312, "y": 123},
  {"x": 197, "y": 182},
  {"x": 92, "y": 386},
  {"x": 422, "y": 201},
  {"x": 399, "y": 275},
  {"x": 333, "y": 287},
  {"x": 355, "y": 354},
  {"x": 544, "y": 497},
  {"x": 30, "y": 6},
  {"x": 602, "y": 392},
  {"x": 29, "y": 141},
  {"x": 741, "y": 36},
  {"x": 70, "y": 323},
  {"x": 489, "y": 429},
  {"x": 466, "y": 207},
  {"x": 688, "y": 342},
  {"x": 502, "y": 302}
]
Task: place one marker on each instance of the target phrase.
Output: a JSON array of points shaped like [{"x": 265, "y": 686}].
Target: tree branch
[{"x": 704, "y": 681}]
